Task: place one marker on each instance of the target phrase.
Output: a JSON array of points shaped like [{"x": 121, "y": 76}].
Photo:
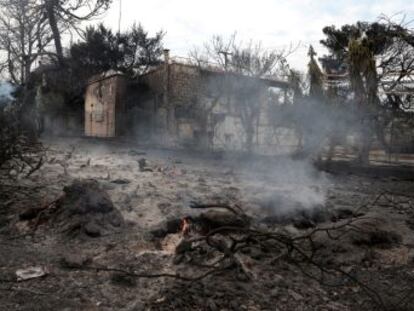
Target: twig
[{"x": 157, "y": 275}]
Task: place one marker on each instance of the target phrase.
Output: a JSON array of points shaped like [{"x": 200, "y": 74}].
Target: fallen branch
[{"x": 158, "y": 275}]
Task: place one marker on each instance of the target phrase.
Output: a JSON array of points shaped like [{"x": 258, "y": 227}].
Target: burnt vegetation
[{"x": 223, "y": 181}]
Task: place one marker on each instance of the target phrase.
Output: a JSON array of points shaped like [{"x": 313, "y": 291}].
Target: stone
[
  {"x": 92, "y": 230},
  {"x": 74, "y": 260},
  {"x": 121, "y": 181},
  {"x": 215, "y": 218},
  {"x": 171, "y": 225}
]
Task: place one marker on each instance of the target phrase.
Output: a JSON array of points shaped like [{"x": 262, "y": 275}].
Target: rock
[
  {"x": 143, "y": 165},
  {"x": 74, "y": 260},
  {"x": 121, "y": 181},
  {"x": 31, "y": 273},
  {"x": 172, "y": 225},
  {"x": 92, "y": 230},
  {"x": 215, "y": 218}
]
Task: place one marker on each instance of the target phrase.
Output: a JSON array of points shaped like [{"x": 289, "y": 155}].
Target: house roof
[
  {"x": 215, "y": 70},
  {"x": 267, "y": 81}
]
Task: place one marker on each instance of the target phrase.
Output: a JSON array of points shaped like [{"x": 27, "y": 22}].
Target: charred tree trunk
[{"x": 50, "y": 6}]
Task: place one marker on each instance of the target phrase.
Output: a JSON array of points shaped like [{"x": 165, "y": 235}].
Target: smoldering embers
[{"x": 286, "y": 186}]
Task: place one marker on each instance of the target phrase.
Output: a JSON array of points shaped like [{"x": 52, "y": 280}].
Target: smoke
[
  {"x": 283, "y": 186},
  {"x": 234, "y": 113},
  {"x": 281, "y": 183},
  {"x": 6, "y": 93},
  {"x": 294, "y": 183}
]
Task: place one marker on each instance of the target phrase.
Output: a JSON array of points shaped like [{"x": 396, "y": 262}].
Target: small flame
[{"x": 185, "y": 226}]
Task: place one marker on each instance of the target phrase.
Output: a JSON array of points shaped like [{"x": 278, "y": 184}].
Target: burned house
[
  {"x": 104, "y": 105},
  {"x": 182, "y": 104}
]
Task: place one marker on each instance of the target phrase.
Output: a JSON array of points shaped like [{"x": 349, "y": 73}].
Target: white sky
[{"x": 276, "y": 23}]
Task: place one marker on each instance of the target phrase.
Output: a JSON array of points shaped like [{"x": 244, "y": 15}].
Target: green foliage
[
  {"x": 377, "y": 36},
  {"x": 131, "y": 52}
]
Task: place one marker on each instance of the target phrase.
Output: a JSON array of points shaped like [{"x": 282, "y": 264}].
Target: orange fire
[{"x": 185, "y": 226}]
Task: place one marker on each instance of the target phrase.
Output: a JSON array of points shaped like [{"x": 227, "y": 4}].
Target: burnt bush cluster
[{"x": 20, "y": 151}]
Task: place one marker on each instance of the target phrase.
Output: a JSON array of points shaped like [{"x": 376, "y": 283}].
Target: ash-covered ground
[{"x": 114, "y": 257}]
